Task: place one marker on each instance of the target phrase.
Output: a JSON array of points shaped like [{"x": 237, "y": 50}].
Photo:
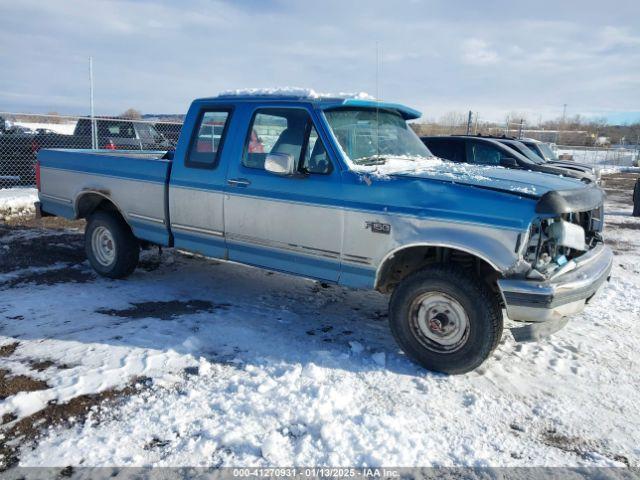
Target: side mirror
[
  {"x": 280, "y": 164},
  {"x": 509, "y": 162}
]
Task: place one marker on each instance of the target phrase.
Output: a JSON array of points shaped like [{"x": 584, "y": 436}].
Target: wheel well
[
  {"x": 93, "y": 202},
  {"x": 411, "y": 259}
]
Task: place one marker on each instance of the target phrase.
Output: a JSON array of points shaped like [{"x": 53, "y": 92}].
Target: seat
[{"x": 289, "y": 142}]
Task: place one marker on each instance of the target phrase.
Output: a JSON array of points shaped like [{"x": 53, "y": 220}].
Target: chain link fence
[
  {"x": 600, "y": 157},
  {"x": 23, "y": 135}
]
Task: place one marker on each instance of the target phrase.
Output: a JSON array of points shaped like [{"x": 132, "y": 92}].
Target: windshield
[
  {"x": 547, "y": 152},
  {"x": 527, "y": 152},
  {"x": 371, "y": 137}
]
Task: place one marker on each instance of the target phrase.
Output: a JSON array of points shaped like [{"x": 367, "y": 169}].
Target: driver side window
[{"x": 287, "y": 131}]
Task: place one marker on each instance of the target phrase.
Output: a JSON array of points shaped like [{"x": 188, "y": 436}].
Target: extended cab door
[
  {"x": 288, "y": 223},
  {"x": 198, "y": 179}
]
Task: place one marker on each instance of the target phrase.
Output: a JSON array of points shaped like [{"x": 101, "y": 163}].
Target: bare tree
[
  {"x": 54, "y": 117},
  {"x": 131, "y": 114}
]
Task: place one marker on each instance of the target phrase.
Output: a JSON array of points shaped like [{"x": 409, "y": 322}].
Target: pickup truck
[{"x": 342, "y": 190}]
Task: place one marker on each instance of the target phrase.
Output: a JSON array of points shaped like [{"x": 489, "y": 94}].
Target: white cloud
[{"x": 478, "y": 52}]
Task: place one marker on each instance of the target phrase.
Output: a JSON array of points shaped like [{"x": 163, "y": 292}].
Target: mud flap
[{"x": 39, "y": 212}]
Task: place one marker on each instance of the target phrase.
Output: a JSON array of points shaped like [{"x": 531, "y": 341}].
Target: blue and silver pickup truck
[{"x": 342, "y": 190}]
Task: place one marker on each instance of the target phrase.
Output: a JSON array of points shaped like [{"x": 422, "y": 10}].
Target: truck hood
[
  {"x": 581, "y": 167},
  {"x": 567, "y": 171},
  {"x": 554, "y": 194},
  {"x": 518, "y": 182}
]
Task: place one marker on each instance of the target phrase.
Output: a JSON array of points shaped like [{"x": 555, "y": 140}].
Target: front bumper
[{"x": 564, "y": 294}]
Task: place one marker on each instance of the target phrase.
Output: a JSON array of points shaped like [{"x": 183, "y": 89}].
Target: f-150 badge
[{"x": 377, "y": 227}]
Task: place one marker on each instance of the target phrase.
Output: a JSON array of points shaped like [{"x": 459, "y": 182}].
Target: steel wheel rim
[
  {"x": 439, "y": 322},
  {"x": 103, "y": 246}
]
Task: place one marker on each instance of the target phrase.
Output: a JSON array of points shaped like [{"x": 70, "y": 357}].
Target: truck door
[
  {"x": 290, "y": 223},
  {"x": 197, "y": 183}
]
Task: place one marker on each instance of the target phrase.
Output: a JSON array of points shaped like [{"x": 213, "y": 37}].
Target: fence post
[
  {"x": 94, "y": 130},
  {"x": 636, "y": 199}
]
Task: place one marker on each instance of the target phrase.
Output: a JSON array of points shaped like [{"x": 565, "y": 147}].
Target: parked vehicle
[
  {"x": 171, "y": 131},
  {"x": 115, "y": 134},
  {"x": 19, "y": 146},
  {"x": 549, "y": 155},
  {"x": 343, "y": 191},
  {"x": 507, "y": 153}
]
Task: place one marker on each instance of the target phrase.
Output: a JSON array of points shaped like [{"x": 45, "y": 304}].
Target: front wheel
[
  {"x": 112, "y": 249},
  {"x": 445, "y": 320}
]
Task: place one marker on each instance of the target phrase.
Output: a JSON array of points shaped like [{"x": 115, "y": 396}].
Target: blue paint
[
  {"x": 283, "y": 261},
  {"x": 106, "y": 163},
  {"x": 357, "y": 277},
  {"x": 207, "y": 245},
  {"x": 57, "y": 208},
  {"x": 151, "y": 232}
]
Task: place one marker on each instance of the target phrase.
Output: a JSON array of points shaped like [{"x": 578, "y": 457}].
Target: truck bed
[{"x": 135, "y": 181}]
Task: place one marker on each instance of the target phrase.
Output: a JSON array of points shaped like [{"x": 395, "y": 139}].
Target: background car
[{"x": 490, "y": 151}]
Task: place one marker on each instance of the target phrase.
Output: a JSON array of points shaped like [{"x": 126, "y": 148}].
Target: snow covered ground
[
  {"x": 65, "y": 128},
  {"x": 249, "y": 367},
  {"x": 17, "y": 201},
  {"x": 602, "y": 157}
]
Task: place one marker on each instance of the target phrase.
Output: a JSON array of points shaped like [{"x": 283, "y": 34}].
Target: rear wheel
[
  {"x": 445, "y": 319},
  {"x": 112, "y": 249}
]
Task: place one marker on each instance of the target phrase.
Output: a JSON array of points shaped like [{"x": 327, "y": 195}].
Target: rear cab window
[{"x": 207, "y": 141}]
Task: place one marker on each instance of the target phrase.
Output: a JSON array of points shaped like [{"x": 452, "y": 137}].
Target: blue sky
[{"x": 438, "y": 56}]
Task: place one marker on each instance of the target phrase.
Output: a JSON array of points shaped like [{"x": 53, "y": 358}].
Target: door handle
[{"x": 239, "y": 182}]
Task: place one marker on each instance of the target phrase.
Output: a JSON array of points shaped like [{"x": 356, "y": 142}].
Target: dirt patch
[
  {"x": 624, "y": 225},
  {"x": 28, "y": 429},
  {"x": 579, "y": 446},
  {"x": 8, "y": 350},
  {"x": 57, "y": 223},
  {"x": 619, "y": 181},
  {"x": 8, "y": 417},
  {"x": 39, "y": 251},
  {"x": 156, "y": 443},
  {"x": 619, "y": 246},
  {"x": 150, "y": 264},
  {"x": 164, "y": 310},
  {"x": 40, "y": 365},
  {"x": 51, "y": 277},
  {"x": 12, "y": 384}
]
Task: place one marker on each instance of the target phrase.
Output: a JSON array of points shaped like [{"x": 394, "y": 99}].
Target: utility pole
[
  {"x": 94, "y": 129},
  {"x": 475, "y": 124},
  {"x": 520, "y": 128},
  {"x": 564, "y": 119},
  {"x": 469, "y": 118}
]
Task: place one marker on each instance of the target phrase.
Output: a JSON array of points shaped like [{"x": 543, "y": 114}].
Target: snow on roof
[{"x": 292, "y": 92}]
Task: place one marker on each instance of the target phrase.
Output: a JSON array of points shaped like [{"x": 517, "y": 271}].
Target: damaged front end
[{"x": 565, "y": 259}]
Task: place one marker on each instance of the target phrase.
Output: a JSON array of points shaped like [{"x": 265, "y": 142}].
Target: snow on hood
[
  {"x": 292, "y": 92},
  {"x": 517, "y": 181}
]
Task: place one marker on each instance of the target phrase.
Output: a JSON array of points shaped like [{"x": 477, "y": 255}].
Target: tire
[
  {"x": 444, "y": 319},
  {"x": 118, "y": 256}
]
